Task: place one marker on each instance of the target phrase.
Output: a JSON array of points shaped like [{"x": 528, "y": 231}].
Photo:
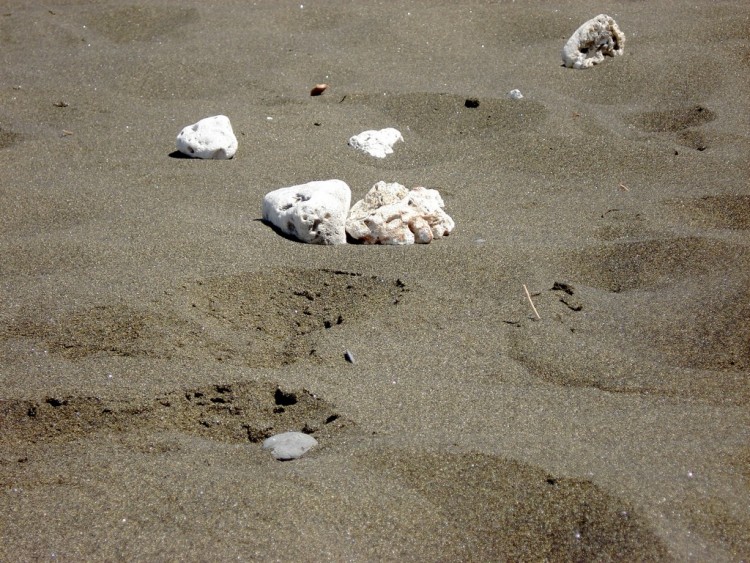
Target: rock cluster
[
  {"x": 318, "y": 213},
  {"x": 210, "y": 138},
  {"x": 595, "y": 39},
  {"x": 391, "y": 214}
]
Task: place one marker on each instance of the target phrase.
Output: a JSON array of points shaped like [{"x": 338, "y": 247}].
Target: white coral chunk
[
  {"x": 391, "y": 214},
  {"x": 210, "y": 138},
  {"x": 595, "y": 39},
  {"x": 314, "y": 212},
  {"x": 376, "y": 143}
]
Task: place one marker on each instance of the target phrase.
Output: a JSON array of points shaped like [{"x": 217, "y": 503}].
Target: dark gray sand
[{"x": 153, "y": 331}]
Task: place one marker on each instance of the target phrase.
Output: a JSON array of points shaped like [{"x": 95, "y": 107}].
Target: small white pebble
[{"x": 515, "y": 94}]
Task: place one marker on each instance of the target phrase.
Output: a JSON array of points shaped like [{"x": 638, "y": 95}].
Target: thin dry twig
[
  {"x": 528, "y": 296},
  {"x": 624, "y": 187}
]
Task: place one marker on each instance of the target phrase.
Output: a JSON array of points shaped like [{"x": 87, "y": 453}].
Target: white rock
[
  {"x": 314, "y": 212},
  {"x": 590, "y": 43},
  {"x": 515, "y": 94},
  {"x": 211, "y": 137},
  {"x": 391, "y": 214},
  {"x": 376, "y": 143},
  {"x": 289, "y": 445}
]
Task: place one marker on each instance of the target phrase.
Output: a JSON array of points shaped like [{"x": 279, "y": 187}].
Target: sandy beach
[{"x": 154, "y": 330}]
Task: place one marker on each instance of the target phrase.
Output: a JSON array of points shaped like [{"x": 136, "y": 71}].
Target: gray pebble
[{"x": 289, "y": 445}]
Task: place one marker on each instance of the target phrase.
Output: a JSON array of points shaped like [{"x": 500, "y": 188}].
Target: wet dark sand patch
[
  {"x": 616, "y": 224},
  {"x": 142, "y": 23},
  {"x": 116, "y": 330},
  {"x": 281, "y": 312},
  {"x": 673, "y": 120},
  {"x": 8, "y": 138},
  {"x": 708, "y": 330},
  {"x": 262, "y": 319},
  {"x": 230, "y": 412},
  {"x": 696, "y": 350},
  {"x": 726, "y": 211},
  {"x": 713, "y": 518},
  {"x": 651, "y": 263},
  {"x": 580, "y": 356},
  {"x": 506, "y": 509},
  {"x": 693, "y": 139}
]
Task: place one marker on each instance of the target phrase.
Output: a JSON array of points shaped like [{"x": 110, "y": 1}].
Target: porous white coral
[
  {"x": 210, "y": 138},
  {"x": 314, "y": 212},
  {"x": 376, "y": 143},
  {"x": 595, "y": 39},
  {"x": 391, "y": 214}
]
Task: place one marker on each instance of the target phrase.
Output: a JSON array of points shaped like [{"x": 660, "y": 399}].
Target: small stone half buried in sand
[
  {"x": 595, "y": 39},
  {"x": 391, "y": 214},
  {"x": 289, "y": 445},
  {"x": 376, "y": 143},
  {"x": 209, "y": 138},
  {"x": 318, "y": 89}
]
